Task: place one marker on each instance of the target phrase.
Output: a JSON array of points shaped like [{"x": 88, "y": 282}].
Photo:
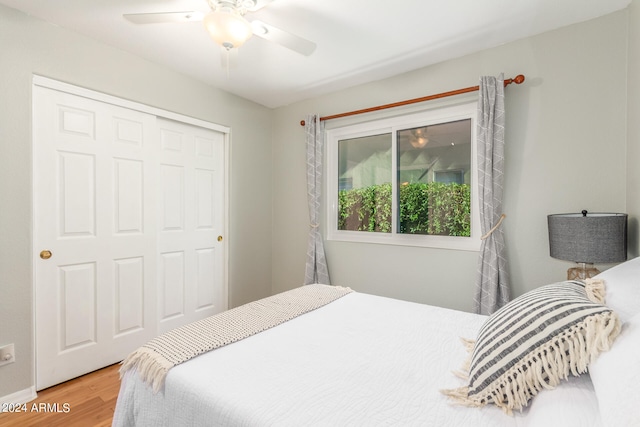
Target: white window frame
[{"x": 392, "y": 125}]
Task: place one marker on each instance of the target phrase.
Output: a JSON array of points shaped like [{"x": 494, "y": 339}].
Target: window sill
[{"x": 436, "y": 242}]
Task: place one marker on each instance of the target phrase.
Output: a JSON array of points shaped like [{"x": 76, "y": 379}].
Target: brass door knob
[
  {"x": 45, "y": 254},
  {"x": 219, "y": 238}
]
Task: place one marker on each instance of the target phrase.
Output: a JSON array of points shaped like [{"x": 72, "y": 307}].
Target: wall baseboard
[{"x": 22, "y": 396}]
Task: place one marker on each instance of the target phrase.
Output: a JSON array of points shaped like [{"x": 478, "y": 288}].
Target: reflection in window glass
[
  {"x": 364, "y": 183},
  {"x": 434, "y": 174}
]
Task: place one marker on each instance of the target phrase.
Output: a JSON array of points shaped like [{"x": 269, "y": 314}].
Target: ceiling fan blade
[
  {"x": 259, "y": 5},
  {"x": 281, "y": 37},
  {"x": 164, "y": 17}
]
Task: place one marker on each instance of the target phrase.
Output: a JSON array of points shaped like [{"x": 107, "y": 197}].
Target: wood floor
[{"x": 90, "y": 401}]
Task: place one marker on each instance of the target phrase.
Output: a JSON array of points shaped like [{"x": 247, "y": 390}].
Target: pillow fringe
[
  {"x": 468, "y": 344},
  {"x": 595, "y": 290},
  {"x": 463, "y": 373},
  {"x": 460, "y": 395},
  {"x": 569, "y": 353}
]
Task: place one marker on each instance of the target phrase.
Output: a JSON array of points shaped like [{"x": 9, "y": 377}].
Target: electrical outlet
[{"x": 7, "y": 354}]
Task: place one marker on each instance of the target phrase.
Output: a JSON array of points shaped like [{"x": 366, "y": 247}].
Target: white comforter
[{"x": 360, "y": 361}]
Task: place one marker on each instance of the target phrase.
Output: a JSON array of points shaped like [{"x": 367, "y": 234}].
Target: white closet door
[
  {"x": 131, "y": 210},
  {"x": 191, "y": 276},
  {"x": 94, "y": 213}
]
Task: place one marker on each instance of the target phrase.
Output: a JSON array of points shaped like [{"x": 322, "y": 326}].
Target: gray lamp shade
[{"x": 588, "y": 237}]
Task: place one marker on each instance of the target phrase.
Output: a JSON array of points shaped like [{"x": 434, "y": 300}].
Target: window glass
[
  {"x": 405, "y": 180},
  {"x": 365, "y": 171},
  {"x": 434, "y": 177}
]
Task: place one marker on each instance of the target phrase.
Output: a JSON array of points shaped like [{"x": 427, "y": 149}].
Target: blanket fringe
[
  {"x": 151, "y": 367},
  {"x": 569, "y": 353},
  {"x": 154, "y": 359}
]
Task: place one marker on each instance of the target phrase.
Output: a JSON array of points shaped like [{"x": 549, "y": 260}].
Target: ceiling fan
[{"x": 227, "y": 25}]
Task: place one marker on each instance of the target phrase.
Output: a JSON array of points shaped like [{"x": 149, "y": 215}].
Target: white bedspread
[{"x": 360, "y": 361}]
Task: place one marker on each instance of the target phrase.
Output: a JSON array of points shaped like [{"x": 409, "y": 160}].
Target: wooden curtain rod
[{"x": 517, "y": 80}]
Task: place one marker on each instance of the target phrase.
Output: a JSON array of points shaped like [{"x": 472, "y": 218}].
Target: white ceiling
[{"x": 357, "y": 40}]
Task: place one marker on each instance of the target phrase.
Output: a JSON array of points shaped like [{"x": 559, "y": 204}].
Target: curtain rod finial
[
  {"x": 302, "y": 123},
  {"x": 518, "y": 79}
]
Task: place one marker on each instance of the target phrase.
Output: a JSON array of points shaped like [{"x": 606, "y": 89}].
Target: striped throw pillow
[{"x": 535, "y": 341}]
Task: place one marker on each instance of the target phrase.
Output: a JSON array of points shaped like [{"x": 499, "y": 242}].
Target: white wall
[
  {"x": 565, "y": 151},
  {"x": 29, "y": 46},
  {"x": 633, "y": 122}
]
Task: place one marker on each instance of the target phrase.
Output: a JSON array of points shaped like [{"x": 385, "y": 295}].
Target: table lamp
[{"x": 587, "y": 238}]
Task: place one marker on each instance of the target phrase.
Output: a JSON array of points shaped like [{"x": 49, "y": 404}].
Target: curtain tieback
[
  {"x": 314, "y": 225},
  {"x": 495, "y": 227}
]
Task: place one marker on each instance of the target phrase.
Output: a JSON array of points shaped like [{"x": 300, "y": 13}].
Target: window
[{"x": 406, "y": 180}]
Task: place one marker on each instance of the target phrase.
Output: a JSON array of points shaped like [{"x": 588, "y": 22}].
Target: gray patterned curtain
[
  {"x": 492, "y": 286},
  {"x": 316, "y": 270}
]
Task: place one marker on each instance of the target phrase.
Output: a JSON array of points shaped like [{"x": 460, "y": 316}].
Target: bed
[{"x": 374, "y": 361}]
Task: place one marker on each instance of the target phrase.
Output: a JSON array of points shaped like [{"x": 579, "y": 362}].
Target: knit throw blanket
[{"x": 154, "y": 359}]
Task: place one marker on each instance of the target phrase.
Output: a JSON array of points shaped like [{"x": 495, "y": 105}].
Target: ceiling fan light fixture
[
  {"x": 418, "y": 137},
  {"x": 228, "y": 28},
  {"x": 419, "y": 142}
]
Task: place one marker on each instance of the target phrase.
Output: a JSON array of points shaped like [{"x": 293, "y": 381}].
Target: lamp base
[{"x": 584, "y": 271}]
